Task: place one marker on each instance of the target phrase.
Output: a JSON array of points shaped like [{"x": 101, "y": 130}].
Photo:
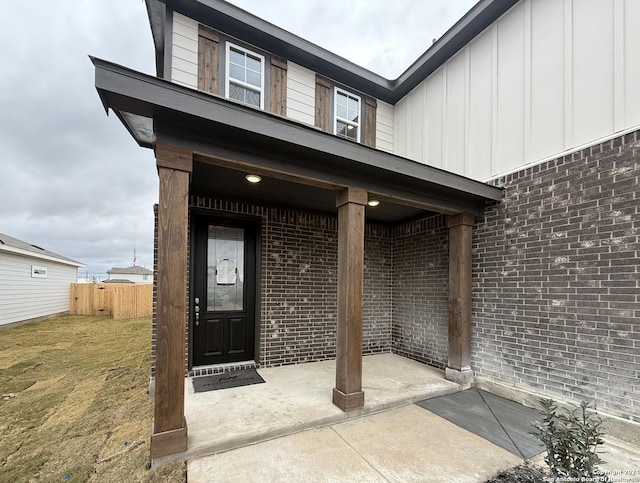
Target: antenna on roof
[{"x": 134, "y": 255}]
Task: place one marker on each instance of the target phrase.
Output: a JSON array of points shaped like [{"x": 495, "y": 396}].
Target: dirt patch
[
  {"x": 78, "y": 409},
  {"x": 524, "y": 473}
]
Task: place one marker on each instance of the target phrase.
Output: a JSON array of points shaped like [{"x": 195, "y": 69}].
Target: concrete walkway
[
  {"x": 287, "y": 429},
  {"x": 400, "y": 445}
]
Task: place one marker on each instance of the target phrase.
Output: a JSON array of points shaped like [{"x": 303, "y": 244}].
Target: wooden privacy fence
[{"x": 119, "y": 300}]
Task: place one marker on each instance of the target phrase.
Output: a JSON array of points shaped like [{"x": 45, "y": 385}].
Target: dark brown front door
[{"x": 223, "y": 291}]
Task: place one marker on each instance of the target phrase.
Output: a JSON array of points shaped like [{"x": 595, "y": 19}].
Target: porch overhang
[{"x": 231, "y": 136}]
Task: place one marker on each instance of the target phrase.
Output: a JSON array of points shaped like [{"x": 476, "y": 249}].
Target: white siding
[
  {"x": 432, "y": 93},
  {"x": 301, "y": 94},
  {"x": 23, "y": 297},
  {"x": 184, "y": 51},
  {"x": 384, "y": 127},
  {"x": 132, "y": 277},
  {"x": 546, "y": 78}
]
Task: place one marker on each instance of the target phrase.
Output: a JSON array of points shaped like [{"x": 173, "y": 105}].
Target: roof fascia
[
  {"x": 26, "y": 253},
  {"x": 157, "y": 13},
  {"x": 137, "y": 93},
  {"x": 239, "y": 23}
]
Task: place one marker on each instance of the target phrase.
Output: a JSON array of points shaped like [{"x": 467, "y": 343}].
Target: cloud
[{"x": 72, "y": 180}]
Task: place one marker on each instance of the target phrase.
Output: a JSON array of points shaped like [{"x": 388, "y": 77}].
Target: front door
[{"x": 223, "y": 290}]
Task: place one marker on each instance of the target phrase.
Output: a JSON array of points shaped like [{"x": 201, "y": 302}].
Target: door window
[{"x": 225, "y": 269}]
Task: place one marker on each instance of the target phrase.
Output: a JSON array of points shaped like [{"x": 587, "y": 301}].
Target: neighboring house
[
  {"x": 479, "y": 213},
  {"x": 132, "y": 274},
  {"x": 34, "y": 282}
]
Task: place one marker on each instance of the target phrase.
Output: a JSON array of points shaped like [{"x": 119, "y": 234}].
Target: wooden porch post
[
  {"x": 169, "y": 427},
  {"x": 348, "y": 393},
  {"x": 460, "y": 242}
]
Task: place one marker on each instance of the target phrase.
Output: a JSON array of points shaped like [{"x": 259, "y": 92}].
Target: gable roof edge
[{"x": 239, "y": 23}]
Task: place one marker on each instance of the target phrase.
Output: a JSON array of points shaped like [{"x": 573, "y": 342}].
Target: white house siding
[
  {"x": 132, "y": 277},
  {"x": 184, "y": 51},
  {"x": 547, "y": 77},
  {"x": 23, "y": 297},
  {"x": 301, "y": 94},
  {"x": 384, "y": 127}
]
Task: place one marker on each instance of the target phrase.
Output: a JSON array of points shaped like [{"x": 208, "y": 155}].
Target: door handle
[{"x": 196, "y": 309}]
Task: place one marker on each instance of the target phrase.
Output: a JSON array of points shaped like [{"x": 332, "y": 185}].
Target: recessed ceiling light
[
  {"x": 253, "y": 178},
  {"x": 373, "y": 202}
]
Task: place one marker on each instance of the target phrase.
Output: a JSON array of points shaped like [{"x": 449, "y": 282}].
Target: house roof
[
  {"x": 134, "y": 270},
  {"x": 12, "y": 245},
  {"x": 267, "y": 143},
  {"x": 239, "y": 23}
]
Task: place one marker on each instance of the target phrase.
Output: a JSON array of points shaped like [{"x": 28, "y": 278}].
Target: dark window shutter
[
  {"x": 278, "y": 88},
  {"x": 369, "y": 119},
  {"x": 323, "y": 103},
  {"x": 208, "y": 58}
]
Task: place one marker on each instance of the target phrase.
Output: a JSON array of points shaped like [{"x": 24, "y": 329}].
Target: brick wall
[
  {"x": 420, "y": 290},
  {"x": 299, "y": 263},
  {"x": 378, "y": 264},
  {"x": 299, "y": 287},
  {"x": 555, "y": 279}
]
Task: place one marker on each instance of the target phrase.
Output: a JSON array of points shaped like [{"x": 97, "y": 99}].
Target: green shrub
[{"x": 571, "y": 439}]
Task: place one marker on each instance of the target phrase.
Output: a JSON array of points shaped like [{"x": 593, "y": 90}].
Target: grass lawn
[{"x": 74, "y": 403}]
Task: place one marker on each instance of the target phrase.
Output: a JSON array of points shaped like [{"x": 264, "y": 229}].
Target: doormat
[{"x": 226, "y": 380}]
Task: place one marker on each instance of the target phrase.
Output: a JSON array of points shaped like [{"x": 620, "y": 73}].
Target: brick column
[
  {"x": 348, "y": 393},
  {"x": 460, "y": 242},
  {"x": 169, "y": 427}
]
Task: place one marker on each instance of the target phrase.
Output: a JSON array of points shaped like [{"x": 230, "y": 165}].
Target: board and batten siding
[
  {"x": 546, "y": 78},
  {"x": 23, "y": 297},
  {"x": 184, "y": 51},
  {"x": 301, "y": 94}
]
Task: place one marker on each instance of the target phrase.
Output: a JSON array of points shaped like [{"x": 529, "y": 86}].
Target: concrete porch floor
[
  {"x": 298, "y": 397},
  {"x": 287, "y": 429}
]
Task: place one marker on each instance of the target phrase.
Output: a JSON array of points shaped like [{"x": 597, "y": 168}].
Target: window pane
[
  {"x": 342, "y": 112},
  {"x": 254, "y": 64},
  {"x": 225, "y": 268},
  {"x": 341, "y": 99},
  {"x": 253, "y": 78},
  {"x": 352, "y": 132},
  {"x": 252, "y": 98},
  {"x": 346, "y": 130},
  {"x": 236, "y": 72},
  {"x": 236, "y": 57},
  {"x": 236, "y": 92}
]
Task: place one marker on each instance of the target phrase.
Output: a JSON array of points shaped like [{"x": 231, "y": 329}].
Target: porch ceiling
[
  {"x": 228, "y": 183},
  {"x": 300, "y": 164}
]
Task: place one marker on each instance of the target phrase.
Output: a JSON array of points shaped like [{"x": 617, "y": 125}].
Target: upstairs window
[
  {"x": 347, "y": 115},
  {"x": 245, "y": 76}
]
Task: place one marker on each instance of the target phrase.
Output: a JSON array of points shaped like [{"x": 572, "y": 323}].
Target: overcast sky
[{"x": 72, "y": 180}]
